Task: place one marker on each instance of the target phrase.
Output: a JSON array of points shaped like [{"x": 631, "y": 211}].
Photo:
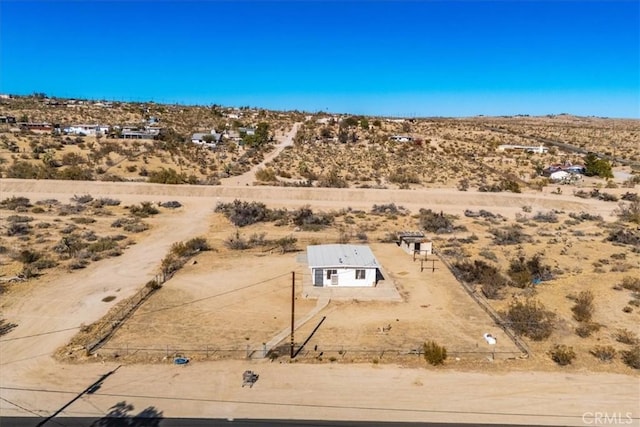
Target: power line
[
  {"x": 21, "y": 407},
  {"x": 41, "y": 333},
  {"x": 154, "y": 311},
  {"x": 213, "y": 296},
  {"x": 311, "y": 405}
]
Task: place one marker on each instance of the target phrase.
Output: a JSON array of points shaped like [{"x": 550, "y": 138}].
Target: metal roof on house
[{"x": 341, "y": 256}]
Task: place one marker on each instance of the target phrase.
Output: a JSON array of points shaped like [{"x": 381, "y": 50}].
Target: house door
[
  {"x": 318, "y": 277},
  {"x": 416, "y": 247}
]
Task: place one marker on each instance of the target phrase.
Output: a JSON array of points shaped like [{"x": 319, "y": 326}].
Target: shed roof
[{"x": 341, "y": 256}]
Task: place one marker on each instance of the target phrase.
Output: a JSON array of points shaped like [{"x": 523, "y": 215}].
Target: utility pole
[{"x": 293, "y": 307}]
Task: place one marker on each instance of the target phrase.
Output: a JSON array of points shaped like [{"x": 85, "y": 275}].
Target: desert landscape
[{"x": 103, "y": 266}]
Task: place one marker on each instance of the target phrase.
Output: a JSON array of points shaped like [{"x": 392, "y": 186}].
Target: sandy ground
[{"x": 49, "y": 314}]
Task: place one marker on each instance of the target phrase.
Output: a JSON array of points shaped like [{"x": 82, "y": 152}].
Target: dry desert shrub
[
  {"x": 583, "y": 308},
  {"x": 631, "y": 357},
  {"x": 434, "y": 353},
  {"x": 144, "y": 210},
  {"x": 509, "y": 235},
  {"x": 242, "y": 213},
  {"x": 629, "y": 212},
  {"x": 530, "y": 318},
  {"x": 625, "y": 237},
  {"x": 562, "y": 355},
  {"x": 626, "y": 336},
  {"x": 585, "y": 330},
  {"x": 435, "y": 222},
  {"x": 604, "y": 353},
  {"x": 631, "y": 283},
  {"x": 486, "y": 275},
  {"x": 266, "y": 175},
  {"x": 13, "y": 203}
]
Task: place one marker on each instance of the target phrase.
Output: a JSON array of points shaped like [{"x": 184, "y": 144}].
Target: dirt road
[
  {"x": 249, "y": 177},
  {"x": 49, "y": 314}
]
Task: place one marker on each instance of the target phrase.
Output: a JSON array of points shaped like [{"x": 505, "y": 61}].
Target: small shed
[
  {"x": 342, "y": 265},
  {"x": 415, "y": 243}
]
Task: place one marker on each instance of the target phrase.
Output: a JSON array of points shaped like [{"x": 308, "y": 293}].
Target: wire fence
[
  {"x": 484, "y": 304},
  {"x": 101, "y": 331},
  {"x": 335, "y": 353}
]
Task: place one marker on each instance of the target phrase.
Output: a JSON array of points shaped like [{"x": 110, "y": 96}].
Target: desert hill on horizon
[{"x": 60, "y": 138}]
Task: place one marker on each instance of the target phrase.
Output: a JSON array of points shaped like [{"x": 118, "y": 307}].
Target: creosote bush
[
  {"x": 145, "y": 210},
  {"x": 180, "y": 253},
  {"x": 604, "y": 353},
  {"x": 583, "y": 308},
  {"x": 584, "y": 330},
  {"x": 435, "y": 222},
  {"x": 562, "y": 355},
  {"x": 631, "y": 357},
  {"x": 530, "y": 318},
  {"x": 12, "y": 203},
  {"x": 245, "y": 213},
  {"x": 631, "y": 283},
  {"x": 434, "y": 353},
  {"x": 511, "y": 235},
  {"x": 626, "y": 336},
  {"x": 482, "y": 273}
]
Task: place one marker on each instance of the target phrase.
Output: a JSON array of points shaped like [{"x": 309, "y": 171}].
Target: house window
[
  {"x": 360, "y": 274},
  {"x": 331, "y": 273}
]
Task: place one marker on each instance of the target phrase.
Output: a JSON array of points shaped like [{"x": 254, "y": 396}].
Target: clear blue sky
[{"x": 414, "y": 58}]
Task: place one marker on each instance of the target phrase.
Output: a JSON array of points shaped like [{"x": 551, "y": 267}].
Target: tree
[{"x": 595, "y": 166}]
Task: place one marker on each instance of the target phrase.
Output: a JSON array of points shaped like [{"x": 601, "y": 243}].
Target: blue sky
[{"x": 414, "y": 58}]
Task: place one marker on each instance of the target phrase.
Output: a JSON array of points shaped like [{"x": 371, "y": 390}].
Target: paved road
[{"x": 199, "y": 422}]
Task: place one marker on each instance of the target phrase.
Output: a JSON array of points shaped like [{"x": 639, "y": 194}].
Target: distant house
[
  {"x": 134, "y": 133},
  {"x": 342, "y": 265},
  {"x": 401, "y": 138},
  {"x": 564, "y": 167},
  {"x": 43, "y": 127},
  {"x": 209, "y": 139},
  {"x": 233, "y": 135},
  {"x": 415, "y": 243},
  {"x": 538, "y": 149},
  {"x": 87, "y": 129},
  {"x": 7, "y": 119},
  {"x": 247, "y": 131}
]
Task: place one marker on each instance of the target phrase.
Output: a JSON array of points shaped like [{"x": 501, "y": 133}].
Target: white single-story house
[
  {"x": 87, "y": 129},
  {"x": 539, "y": 149},
  {"x": 415, "y": 243},
  {"x": 401, "y": 138},
  {"x": 342, "y": 265},
  {"x": 134, "y": 133}
]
